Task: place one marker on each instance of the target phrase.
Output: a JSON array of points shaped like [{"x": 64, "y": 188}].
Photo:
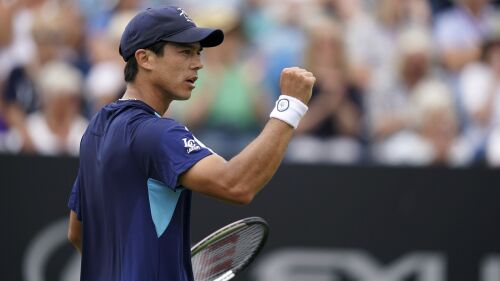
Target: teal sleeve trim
[{"x": 162, "y": 201}]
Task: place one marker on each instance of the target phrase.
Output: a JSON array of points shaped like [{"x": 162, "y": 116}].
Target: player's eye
[{"x": 186, "y": 52}]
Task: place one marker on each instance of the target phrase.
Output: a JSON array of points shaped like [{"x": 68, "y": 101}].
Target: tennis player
[{"x": 130, "y": 203}]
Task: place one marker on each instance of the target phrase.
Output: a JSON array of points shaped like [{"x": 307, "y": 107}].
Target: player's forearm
[
  {"x": 241, "y": 178},
  {"x": 253, "y": 167}
]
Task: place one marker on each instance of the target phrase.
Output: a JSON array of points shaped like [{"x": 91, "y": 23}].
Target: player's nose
[{"x": 197, "y": 64}]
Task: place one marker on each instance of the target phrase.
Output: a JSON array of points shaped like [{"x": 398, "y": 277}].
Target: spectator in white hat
[{"x": 58, "y": 127}]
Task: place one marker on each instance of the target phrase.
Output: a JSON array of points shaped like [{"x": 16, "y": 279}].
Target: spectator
[
  {"x": 395, "y": 15},
  {"x": 49, "y": 33},
  {"x": 17, "y": 46},
  {"x": 367, "y": 49},
  {"x": 435, "y": 139},
  {"x": 480, "y": 95},
  {"x": 57, "y": 128},
  {"x": 389, "y": 110},
  {"x": 460, "y": 32},
  {"x": 401, "y": 132},
  {"x": 331, "y": 131}
]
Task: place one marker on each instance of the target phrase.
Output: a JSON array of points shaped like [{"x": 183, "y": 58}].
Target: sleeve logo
[{"x": 191, "y": 145}]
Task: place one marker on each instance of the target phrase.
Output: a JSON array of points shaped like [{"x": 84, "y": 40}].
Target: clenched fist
[{"x": 298, "y": 83}]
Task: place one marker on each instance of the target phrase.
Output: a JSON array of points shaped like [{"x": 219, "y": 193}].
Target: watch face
[{"x": 282, "y": 105}]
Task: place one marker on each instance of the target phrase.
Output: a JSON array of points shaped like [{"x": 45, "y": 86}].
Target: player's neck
[{"x": 148, "y": 96}]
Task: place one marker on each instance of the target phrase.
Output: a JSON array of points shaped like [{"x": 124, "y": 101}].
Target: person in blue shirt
[{"x": 130, "y": 203}]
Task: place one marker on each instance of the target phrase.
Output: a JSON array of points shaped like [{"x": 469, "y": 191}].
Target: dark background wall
[{"x": 327, "y": 223}]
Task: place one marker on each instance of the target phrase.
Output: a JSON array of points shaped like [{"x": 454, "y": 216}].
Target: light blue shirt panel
[{"x": 162, "y": 201}]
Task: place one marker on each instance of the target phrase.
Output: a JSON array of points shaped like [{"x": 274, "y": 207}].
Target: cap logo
[{"x": 183, "y": 13}]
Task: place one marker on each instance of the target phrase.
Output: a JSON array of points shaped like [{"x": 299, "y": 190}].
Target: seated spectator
[
  {"x": 479, "y": 86},
  {"x": 369, "y": 53},
  {"x": 16, "y": 42},
  {"x": 396, "y": 15},
  {"x": 389, "y": 110},
  {"x": 401, "y": 132},
  {"x": 435, "y": 137},
  {"x": 51, "y": 35},
  {"x": 460, "y": 32},
  {"x": 331, "y": 131},
  {"x": 57, "y": 128}
]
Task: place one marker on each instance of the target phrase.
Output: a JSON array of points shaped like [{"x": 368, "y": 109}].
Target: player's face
[{"x": 177, "y": 70}]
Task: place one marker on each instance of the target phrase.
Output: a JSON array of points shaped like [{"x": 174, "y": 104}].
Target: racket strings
[{"x": 229, "y": 252}]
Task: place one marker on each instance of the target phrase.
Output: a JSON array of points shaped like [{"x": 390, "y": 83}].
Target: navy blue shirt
[{"x": 135, "y": 215}]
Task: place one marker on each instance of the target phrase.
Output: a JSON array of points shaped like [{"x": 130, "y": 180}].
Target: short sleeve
[
  {"x": 176, "y": 152},
  {"x": 74, "y": 198}
]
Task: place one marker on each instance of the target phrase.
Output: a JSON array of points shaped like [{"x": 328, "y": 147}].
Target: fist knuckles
[{"x": 297, "y": 82}]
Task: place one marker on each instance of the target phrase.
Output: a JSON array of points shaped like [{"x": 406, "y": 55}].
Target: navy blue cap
[{"x": 166, "y": 23}]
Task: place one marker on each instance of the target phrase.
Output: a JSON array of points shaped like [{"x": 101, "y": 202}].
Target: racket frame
[{"x": 228, "y": 230}]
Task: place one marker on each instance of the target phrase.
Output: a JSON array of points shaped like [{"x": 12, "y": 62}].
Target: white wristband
[{"x": 289, "y": 110}]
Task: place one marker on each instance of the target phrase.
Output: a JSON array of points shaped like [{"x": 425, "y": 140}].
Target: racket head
[{"x": 229, "y": 250}]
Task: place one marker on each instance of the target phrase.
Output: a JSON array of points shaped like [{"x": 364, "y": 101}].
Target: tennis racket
[{"x": 229, "y": 250}]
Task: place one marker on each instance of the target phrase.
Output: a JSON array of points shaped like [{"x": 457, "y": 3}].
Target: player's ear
[{"x": 144, "y": 58}]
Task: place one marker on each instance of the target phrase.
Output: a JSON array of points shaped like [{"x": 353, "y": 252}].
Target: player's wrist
[{"x": 289, "y": 110}]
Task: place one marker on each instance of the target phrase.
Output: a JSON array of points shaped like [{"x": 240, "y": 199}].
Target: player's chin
[
  {"x": 185, "y": 92},
  {"x": 184, "y": 95}
]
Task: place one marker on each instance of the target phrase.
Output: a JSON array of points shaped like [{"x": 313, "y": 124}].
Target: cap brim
[{"x": 208, "y": 37}]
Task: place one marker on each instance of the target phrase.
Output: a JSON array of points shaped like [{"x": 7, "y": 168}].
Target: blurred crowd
[{"x": 399, "y": 82}]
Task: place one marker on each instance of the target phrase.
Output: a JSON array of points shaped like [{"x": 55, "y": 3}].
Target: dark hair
[{"x": 131, "y": 68}]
